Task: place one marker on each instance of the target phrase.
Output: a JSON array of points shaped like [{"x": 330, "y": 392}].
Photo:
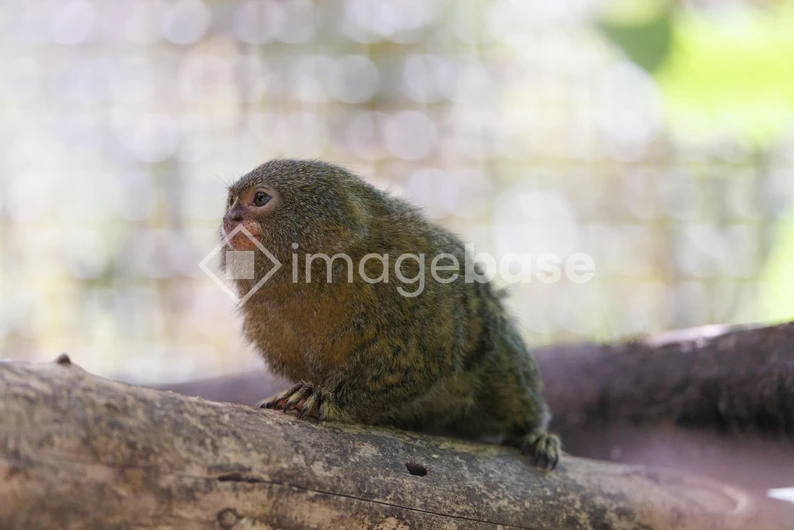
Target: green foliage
[
  {"x": 733, "y": 74},
  {"x": 729, "y": 73},
  {"x": 645, "y": 42}
]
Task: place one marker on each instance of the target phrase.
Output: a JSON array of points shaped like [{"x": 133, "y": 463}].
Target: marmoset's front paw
[{"x": 307, "y": 402}]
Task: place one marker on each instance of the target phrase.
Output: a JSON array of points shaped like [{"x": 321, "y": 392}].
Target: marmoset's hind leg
[
  {"x": 524, "y": 417},
  {"x": 528, "y": 433},
  {"x": 542, "y": 447}
]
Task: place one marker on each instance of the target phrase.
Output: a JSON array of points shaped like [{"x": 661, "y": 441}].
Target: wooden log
[
  {"x": 78, "y": 451},
  {"x": 714, "y": 400}
]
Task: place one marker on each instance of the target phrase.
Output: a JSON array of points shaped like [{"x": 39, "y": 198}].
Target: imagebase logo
[
  {"x": 239, "y": 264},
  {"x": 548, "y": 268}
]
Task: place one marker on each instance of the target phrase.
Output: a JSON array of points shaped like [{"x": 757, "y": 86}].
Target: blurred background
[{"x": 656, "y": 136}]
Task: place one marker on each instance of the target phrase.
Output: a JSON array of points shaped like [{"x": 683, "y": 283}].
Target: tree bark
[{"x": 79, "y": 451}]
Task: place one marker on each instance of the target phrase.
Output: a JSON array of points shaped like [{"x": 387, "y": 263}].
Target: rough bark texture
[
  {"x": 714, "y": 400},
  {"x": 78, "y": 451}
]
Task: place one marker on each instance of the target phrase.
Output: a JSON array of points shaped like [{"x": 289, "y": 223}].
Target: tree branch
[
  {"x": 730, "y": 380},
  {"x": 83, "y": 452}
]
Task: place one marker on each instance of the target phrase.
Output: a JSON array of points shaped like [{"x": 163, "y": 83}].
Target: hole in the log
[
  {"x": 227, "y": 518},
  {"x": 239, "y": 477},
  {"x": 416, "y": 469}
]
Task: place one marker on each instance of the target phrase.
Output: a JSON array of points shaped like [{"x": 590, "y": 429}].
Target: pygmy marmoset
[{"x": 363, "y": 347}]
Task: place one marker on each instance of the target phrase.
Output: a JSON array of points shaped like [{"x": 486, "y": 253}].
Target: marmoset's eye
[
  {"x": 261, "y": 198},
  {"x": 231, "y": 201}
]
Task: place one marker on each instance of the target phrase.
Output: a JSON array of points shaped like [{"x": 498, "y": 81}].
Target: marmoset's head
[{"x": 319, "y": 206}]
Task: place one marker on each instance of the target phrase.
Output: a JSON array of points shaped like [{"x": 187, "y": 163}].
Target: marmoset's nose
[
  {"x": 232, "y": 218},
  {"x": 235, "y": 215}
]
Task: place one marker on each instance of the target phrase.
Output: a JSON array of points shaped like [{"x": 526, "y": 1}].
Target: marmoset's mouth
[{"x": 242, "y": 239}]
